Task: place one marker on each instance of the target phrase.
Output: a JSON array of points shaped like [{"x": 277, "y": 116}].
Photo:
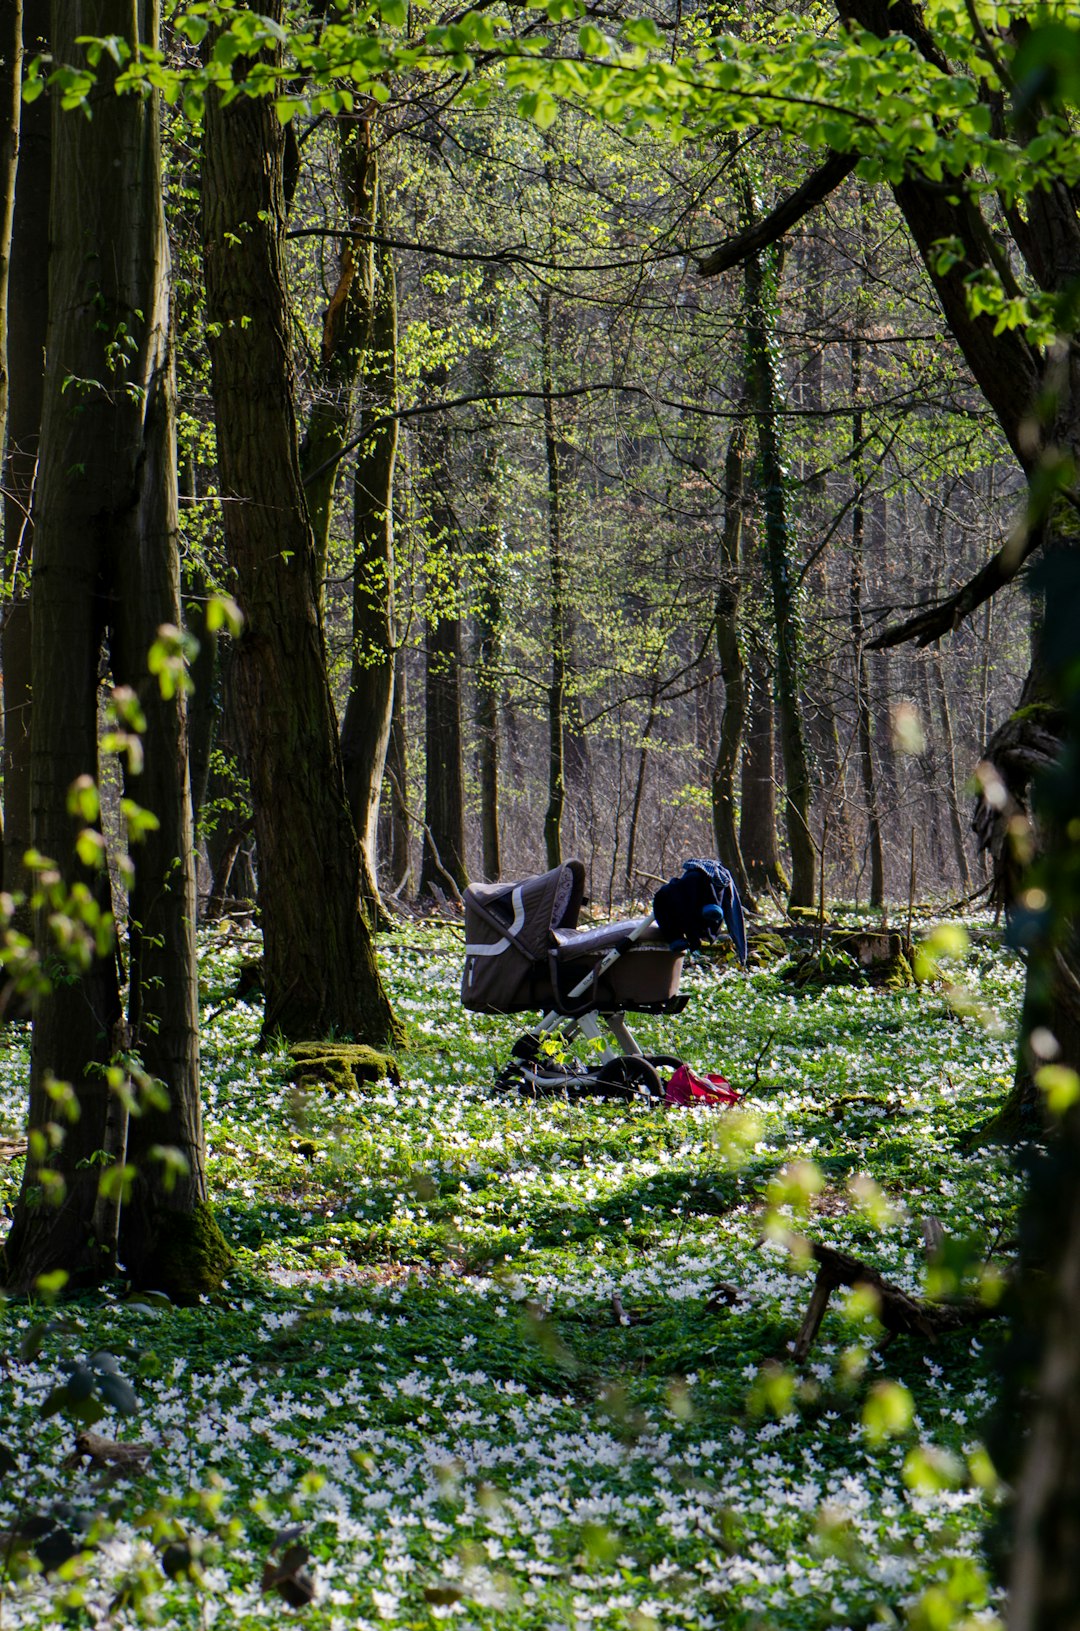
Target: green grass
[{"x": 476, "y": 1346}]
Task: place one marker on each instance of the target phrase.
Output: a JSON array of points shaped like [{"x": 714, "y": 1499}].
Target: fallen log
[
  {"x": 899, "y": 1312},
  {"x": 105, "y": 1452}
]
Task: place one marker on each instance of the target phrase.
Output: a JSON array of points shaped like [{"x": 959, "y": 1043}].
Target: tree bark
[
  {"x": 488, "y": 617},
  {"x": 11, "y": 61},
  {"x": 443, "y": 863},
  {"x": 732, "y": 671},
  {"x": 766, "y": 394},
  {"x": 399, "y": 847},
  {"x": 952, "y": 796},
  {"x": 757, "y": 813},
  {"x": 319, "y": 964},
  {"x": 346, "y": 329},
  {"x": 25, "y": 362},
  {"x": 365, "y": 730},
  {"x": 106, "y": 566},
  {"x": 867, "y": 772},
  {"x": 556, "y": 598}
]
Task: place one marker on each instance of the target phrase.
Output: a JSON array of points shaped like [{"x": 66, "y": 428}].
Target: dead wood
[
  {"x": 900, "y": 1313},
  {"x": 104, "y": 1452}
]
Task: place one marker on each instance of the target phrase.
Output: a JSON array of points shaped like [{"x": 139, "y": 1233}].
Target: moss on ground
[{"x": 341, "y": 1066}]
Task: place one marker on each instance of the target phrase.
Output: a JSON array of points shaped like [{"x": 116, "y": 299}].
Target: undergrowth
[{"x": 494, "y": 1361}]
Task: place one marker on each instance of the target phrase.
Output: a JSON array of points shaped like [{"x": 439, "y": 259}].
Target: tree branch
[
  {"x": 818, "y": 185},
  {"x": 947, "y": 615}
]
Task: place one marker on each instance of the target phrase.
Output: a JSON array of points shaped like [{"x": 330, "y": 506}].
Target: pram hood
[
  {"x": 523, "y": 914},
  {"x": 523, "y": 949}
]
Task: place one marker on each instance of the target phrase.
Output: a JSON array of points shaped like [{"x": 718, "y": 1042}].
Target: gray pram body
[{"x": 524, "y": 951}]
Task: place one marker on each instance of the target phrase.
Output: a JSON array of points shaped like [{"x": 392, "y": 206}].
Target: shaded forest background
[
  {"x": 568, "y": 546},
  {"x": 580, "y": 505}
]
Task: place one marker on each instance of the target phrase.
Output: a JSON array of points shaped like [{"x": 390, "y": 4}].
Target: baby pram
[{"x": 524, "y": 951}]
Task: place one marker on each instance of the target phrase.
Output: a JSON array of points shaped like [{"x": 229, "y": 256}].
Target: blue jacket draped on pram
[{"x": 692, "y": 907}]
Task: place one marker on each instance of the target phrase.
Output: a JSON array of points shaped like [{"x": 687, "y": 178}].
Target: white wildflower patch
[{"x": 486, "y": 1359}]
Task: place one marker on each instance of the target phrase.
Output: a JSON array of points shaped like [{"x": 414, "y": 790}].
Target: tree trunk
[
  {"x": 399, "y": 847},
  {"x": 488, "y": 617},
  {"x": 732, "y": 670},
  {"x": 106, "y": 565},
  {"x": 858, "y": 655},
  {"x": 952, "y": 797},
  {"x": 11, "y": 62},
  {"x": 639, "y": 785},
  {"x": 556, "y": 595},
  {"x": 757, "y": 813},
  {"x": 319, "y": 965},
  {"x": 365, "y": 730},
  {"x": 25, "y": 362},
  {"x": 443, "y": 866},
  {"x": 346, "y": 331},
  {"x": 766, "y": 393}
]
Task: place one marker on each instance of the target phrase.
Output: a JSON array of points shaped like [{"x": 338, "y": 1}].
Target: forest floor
[{"x": 529, "y": 1364}]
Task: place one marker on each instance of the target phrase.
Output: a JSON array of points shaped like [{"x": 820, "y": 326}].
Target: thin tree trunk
[
  {"x": 25, "y": 363},
  {"x": 106, "y": 563},
  {"x": 365, "y": 730},
  {"x": 399, "y": 846},
  {"x": 858, "y": 636},
  {"x": 444, "y": 795},
  {"x": 488, "y": 616},
  {"x": 766, "y": 391},
  {"x": 639, "y": 784},
  {"x": 757, "y": 813},
  {"x": 732, "y": 670},
  {"x": 956, "y": 820},
  {"x": 346, "y": 329},
  {"x": 319, "y": 965},
  {"x": 556, "y": 607}
]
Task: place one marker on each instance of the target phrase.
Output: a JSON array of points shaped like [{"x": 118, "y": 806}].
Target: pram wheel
[
  {"x": 665, "y": 1065},
  {"x": 631, "y": 1078},
  {"x": 513, "y": 1073}
]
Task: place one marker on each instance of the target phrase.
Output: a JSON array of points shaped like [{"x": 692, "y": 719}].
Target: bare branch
[{"x": 948, "y": 614}]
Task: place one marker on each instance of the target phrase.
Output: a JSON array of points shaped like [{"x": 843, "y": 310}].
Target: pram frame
[{"x": 625, "y": 1070}]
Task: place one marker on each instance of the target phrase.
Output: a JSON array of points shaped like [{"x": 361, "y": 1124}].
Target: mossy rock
[
  {"x": 191, "y": 1257},
  {"x": 762, "y": 947},
  {"x": 341, "y": 1066},
  {"x": 885, "y": 958}
]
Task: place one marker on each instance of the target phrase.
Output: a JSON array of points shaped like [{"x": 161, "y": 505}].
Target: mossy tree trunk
[
  {"x": 765, "y": 390},
  {"x": 732, "y": 670},
  {"x": 319, "y": 963},
  {"x": 757, "y": 804}
]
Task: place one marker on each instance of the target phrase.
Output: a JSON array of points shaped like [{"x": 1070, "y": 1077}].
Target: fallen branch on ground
[{"x": 899, "y": 1312}]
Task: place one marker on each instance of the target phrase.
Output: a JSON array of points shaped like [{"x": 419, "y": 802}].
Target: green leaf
[
  {"x": 120, "y": 1394},
  {"x": 888, "y": 1411}
]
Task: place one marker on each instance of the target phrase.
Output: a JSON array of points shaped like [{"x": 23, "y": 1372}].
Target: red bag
[{"x": 687, "y": 1087}]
